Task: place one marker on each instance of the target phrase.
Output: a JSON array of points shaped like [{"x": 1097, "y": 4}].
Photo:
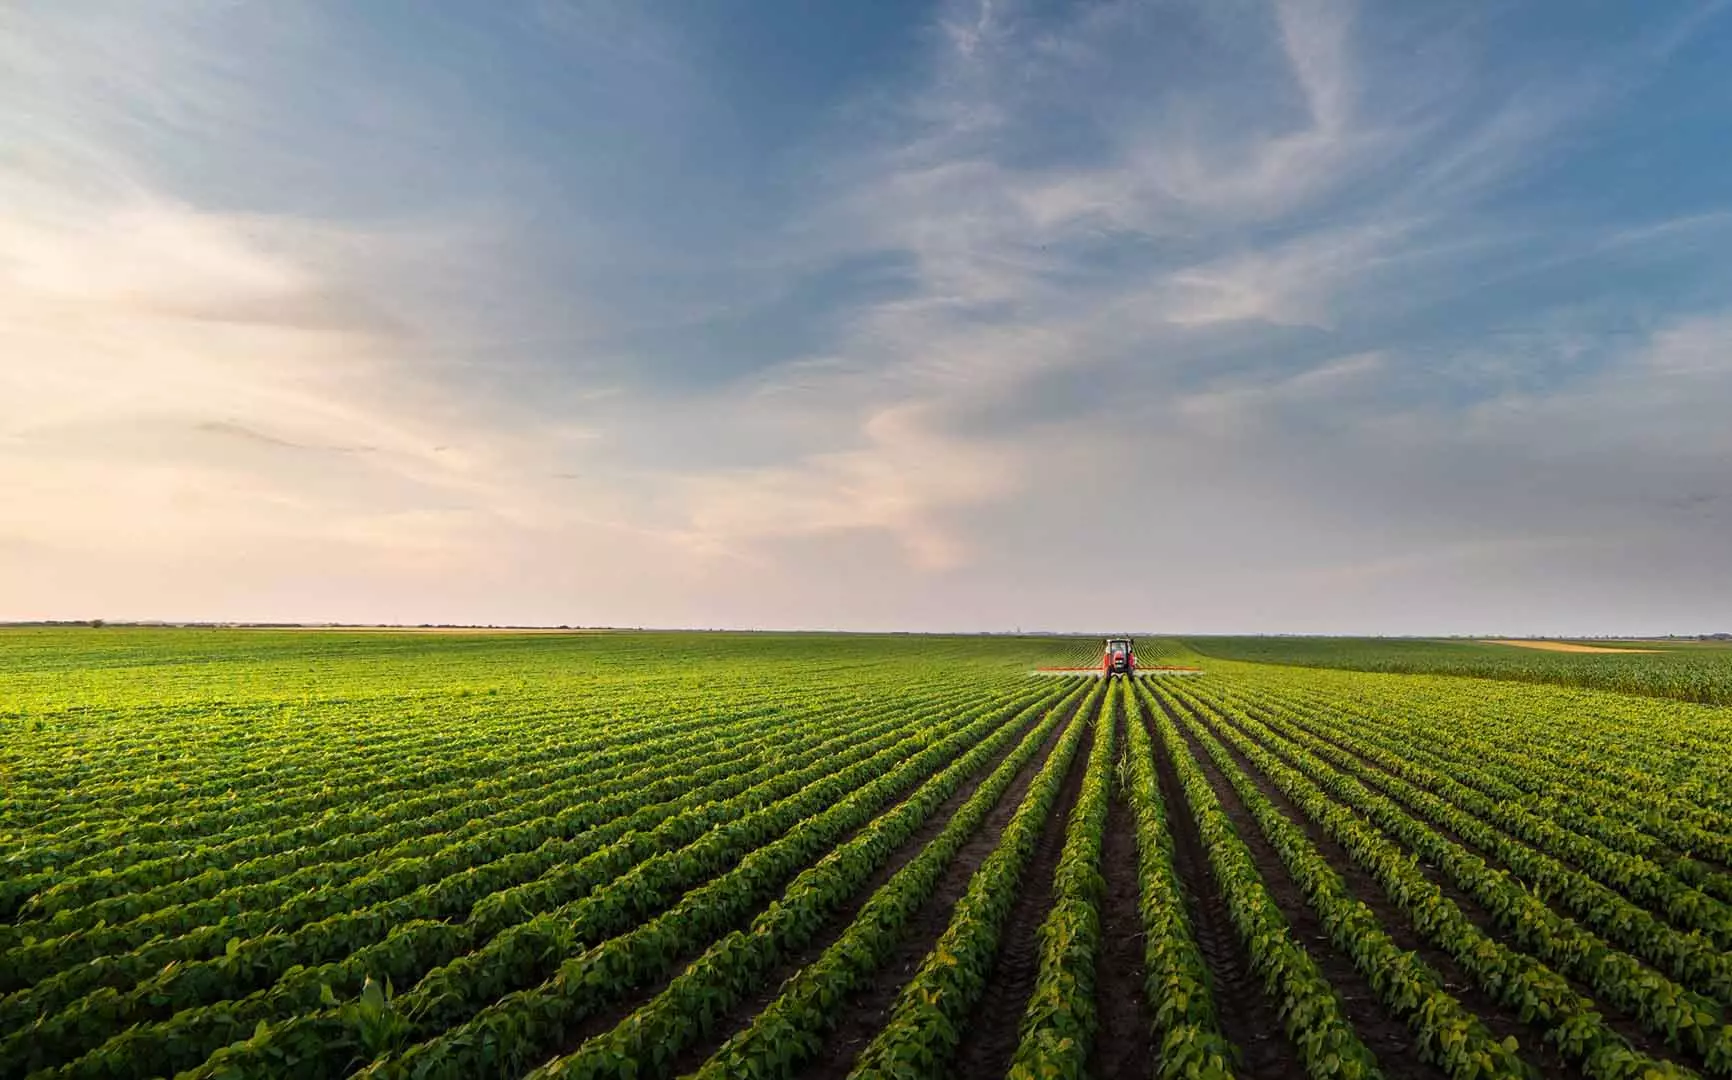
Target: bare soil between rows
[
  {"x": 990, "y": 1035},
  {"x": 1499, "y": 1019},
  {"x": 1385, "y": 1035},
  {"x": 609, "y": 1017},
  {"x": 1249, "y": 1019},
  {"x": 1618, "y": 1019},
  {"x": 1124, "y": 1044},
  {"x": 864, "y": 1014},
  {"x": 740, "y": 1016}
]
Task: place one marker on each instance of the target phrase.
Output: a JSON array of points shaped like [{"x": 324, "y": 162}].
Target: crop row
[
  {"x": 1686, "y": 1019},
  {"x": 1188, "y": 1038},
  {"x": 647, "y": 1042},
  {"x": 1446, "y": 1033},
  {"x": 1560, "y": 744},
  {"x": 566, "y": 867},
  {"x": 353, "y": 799},
  {"x": 253, "y": 962},
  {"x": 322, "y": 782},
  {"x": 518, "y": 930},
  {"x": 334, "y": 767},
  {"x": 1467, "y": 769},
  {"x": 790, "y": 1031},
  {"x": 1686, "y": 674},
  {"x": 1315, "y": 1022},
  {"x": 925, "y": 1024},
  {"x": 215, "y": 868},
  {"x": 1523, "y": 981},
  {"x": 1535, "y": 849},
  {"x": 1059, "y": 1022},
  {"x": 319, "y": 889},
  {"x": 469, "y": 1019}
]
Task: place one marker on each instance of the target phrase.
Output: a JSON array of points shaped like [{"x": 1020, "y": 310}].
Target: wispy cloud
[
  {"x": 1208, "y": 228},
  {"x": 1289, "y": 293},
  {"x": 142, "y": 334}
]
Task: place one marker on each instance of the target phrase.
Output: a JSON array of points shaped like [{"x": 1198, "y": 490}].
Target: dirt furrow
[
  {"x": 1124, "y": 1044},
  {"x": 1383, "y": 1034},
  {"x": 1501, "y": 1020},
  {"x": 1249, "y": 1019},
  {"x": 743, "y": 1012},
  {"x": 989, "y": 1038},
  {"x": 606, "y": 1019},
  {"x": 864, "y": 1014},
  {"x": 1619, "y": 1020}
]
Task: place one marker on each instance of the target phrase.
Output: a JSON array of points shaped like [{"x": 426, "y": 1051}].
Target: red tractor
[{"x": 1119, "y": 657}]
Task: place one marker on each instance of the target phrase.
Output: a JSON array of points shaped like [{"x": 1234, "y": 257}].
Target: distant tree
[{"x": 96, "y": 624}]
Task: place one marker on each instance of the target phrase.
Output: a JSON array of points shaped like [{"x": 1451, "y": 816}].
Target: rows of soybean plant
[
  {"x": 471, "y": 864},
  {"x": 777, "y": 856},
  {"x": 985, "y": 953},
  {"x": 1697, "y": 671},
  {"x": 890, "y": 869},
  {"x": 1527, "y": 879},
  {"x": 1335, "y": 875}
]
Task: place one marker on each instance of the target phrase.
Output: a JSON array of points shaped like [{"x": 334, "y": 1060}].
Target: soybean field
[{"x": 285, "y": 853}]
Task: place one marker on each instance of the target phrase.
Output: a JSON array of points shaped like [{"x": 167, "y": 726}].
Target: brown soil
[
  {"x": 743, "y": 1011},
  {"x": 990, "y": 1035},
  {"x": 1561, "y": 646},
  {"x": 1501, "y": 1021},
  {"x": 1382, "y": 1033},
  {"x": 1124, "y": 1043},
  {"x": 869, "y": 1006},
  {"x": 1249, "y": 1020}
]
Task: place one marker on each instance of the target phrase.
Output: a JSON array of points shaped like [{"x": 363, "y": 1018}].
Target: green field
[
  {"x": 1688, "y": 671},
  {"x": 252, "y": 853}
]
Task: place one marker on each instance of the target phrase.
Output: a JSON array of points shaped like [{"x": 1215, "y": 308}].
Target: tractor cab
[{"x": 1119, "y": 657}]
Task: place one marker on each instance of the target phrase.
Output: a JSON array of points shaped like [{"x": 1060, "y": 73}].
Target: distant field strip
[
  {"x": 1567, "y": 646},
  {"x": 260, "y": 854},
  {"x": 1684, "y": 671}
]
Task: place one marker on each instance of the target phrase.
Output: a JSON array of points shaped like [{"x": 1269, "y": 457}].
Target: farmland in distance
[
  {"x": 1699, "y": 671},
  {"x": 257, "y": 853}
]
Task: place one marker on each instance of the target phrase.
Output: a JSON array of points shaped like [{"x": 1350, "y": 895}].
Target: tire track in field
[
  {"x": 990, "y": 1036},
  {"x": 864, "y": 1015}
]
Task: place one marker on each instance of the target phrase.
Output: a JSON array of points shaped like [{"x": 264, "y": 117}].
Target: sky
[{"x": 1200, "y": 316}]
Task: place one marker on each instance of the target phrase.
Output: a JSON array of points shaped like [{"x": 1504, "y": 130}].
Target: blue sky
[{"x": 1282, "y": 315}]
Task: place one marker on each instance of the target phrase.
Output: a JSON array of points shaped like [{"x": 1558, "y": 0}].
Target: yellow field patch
[{"x": 1562, "y": 646}]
